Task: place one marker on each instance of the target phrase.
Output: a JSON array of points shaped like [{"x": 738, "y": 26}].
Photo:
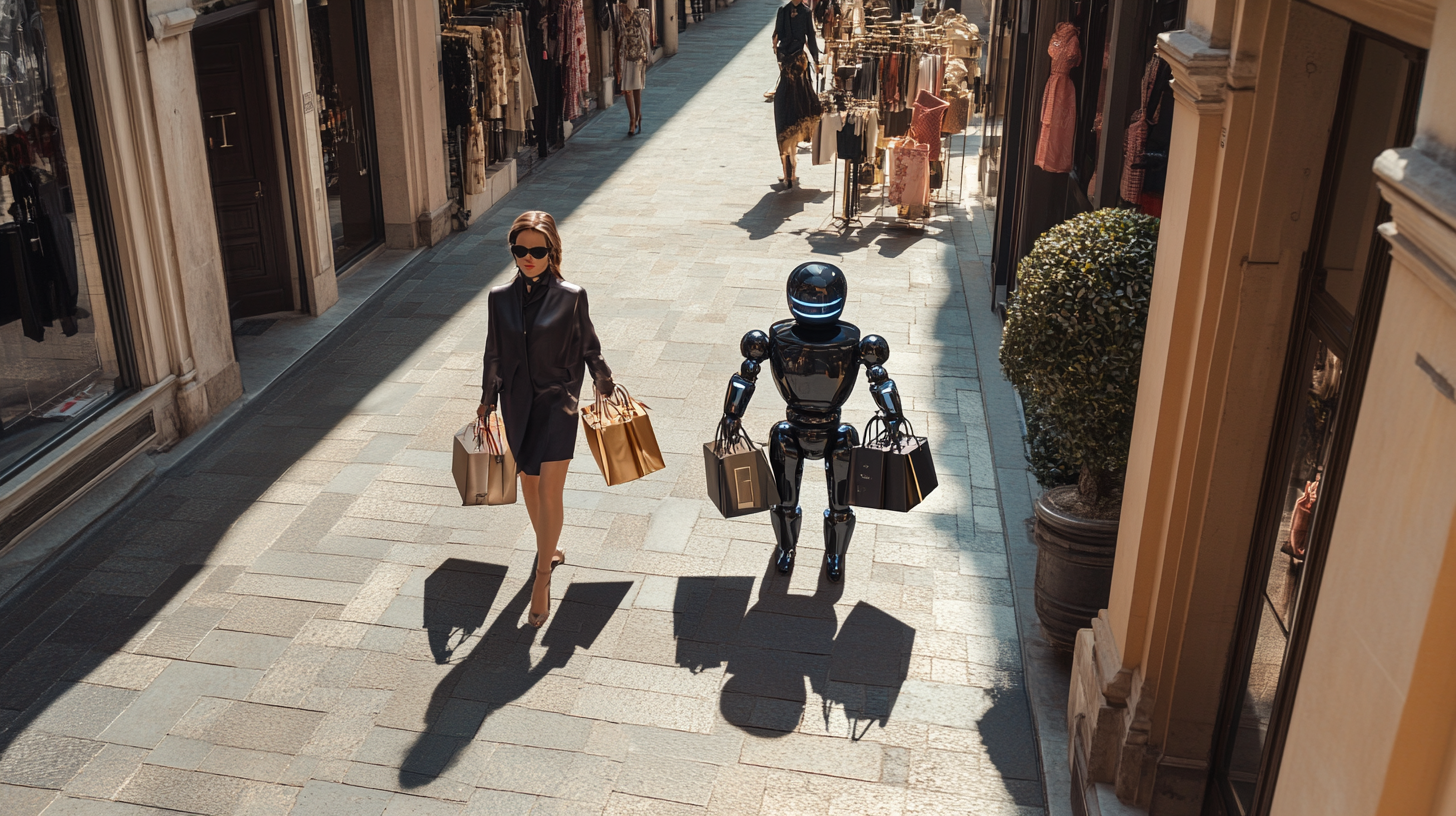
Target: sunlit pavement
[{"x": 302, "y": 618}]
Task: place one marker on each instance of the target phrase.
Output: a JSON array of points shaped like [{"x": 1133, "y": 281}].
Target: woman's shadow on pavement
[{"x": 498, "y": 670}]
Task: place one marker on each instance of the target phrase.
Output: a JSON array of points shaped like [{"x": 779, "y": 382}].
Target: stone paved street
[{"x": 301, "y": 618}]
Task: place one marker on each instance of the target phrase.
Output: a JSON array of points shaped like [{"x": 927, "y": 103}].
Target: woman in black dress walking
[
  {"x": 796, "y": 105},
  {"x": 539, "y": 342}
]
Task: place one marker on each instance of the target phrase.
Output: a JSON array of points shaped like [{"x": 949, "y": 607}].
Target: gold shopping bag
[
  {"x": 621, "y": 437},
  {"x": 483, "y": 465}
]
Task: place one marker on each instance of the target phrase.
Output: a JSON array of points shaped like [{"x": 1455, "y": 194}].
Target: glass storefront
[
  {"x": 59, "y": 358},
  {"x": 1339, "y": 300},
  {"x": 346, "y": 126}
]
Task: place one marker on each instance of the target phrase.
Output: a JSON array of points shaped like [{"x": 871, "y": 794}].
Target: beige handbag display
[
  {"x": 621, "y": 438},
  {"x": 484, "y": 468},
  {"x": 958, "y": 116}
]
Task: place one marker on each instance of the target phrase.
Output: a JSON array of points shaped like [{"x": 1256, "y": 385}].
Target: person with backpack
[{"x": 634, "y": 52}]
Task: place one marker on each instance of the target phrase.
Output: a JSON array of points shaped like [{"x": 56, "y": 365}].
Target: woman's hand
[{"x": 482, "y": 412}]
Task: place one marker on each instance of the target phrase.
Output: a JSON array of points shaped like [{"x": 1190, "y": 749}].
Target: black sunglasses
[{"x": 535, "y": 252}]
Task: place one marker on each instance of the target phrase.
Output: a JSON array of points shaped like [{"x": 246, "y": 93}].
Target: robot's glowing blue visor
[{"x": 816, "y": 311}]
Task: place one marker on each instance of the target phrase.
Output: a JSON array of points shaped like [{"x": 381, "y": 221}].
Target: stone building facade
[{"x": 1279, "y": 634}]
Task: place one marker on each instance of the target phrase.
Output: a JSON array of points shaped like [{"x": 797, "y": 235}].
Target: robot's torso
[{"x": 814, "y": 368}]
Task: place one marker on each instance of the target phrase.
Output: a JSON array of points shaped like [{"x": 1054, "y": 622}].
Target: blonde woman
[
  {"x": 634, "y": 50},
  {"x": 539, "y": 343}
]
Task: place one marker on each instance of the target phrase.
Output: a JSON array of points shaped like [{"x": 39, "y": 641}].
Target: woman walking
[
  {"x": 539, "y": 341},
  {"x": 634, "y": 49},
  {"x": 796, "y": 106}
]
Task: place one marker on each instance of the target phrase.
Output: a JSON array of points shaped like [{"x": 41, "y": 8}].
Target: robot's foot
[
  {"x": 834, "y": 567},
  {"x": 784, "y": 559}
]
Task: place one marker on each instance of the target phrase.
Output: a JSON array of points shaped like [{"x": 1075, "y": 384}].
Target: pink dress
[{"x": 1059, "y": 103}]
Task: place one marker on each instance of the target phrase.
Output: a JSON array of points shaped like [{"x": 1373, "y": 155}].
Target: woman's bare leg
[
  {"x": 637, "y": 108},
  {"x": 547, "y": 520},
  {"x": 631, "y": 97}
]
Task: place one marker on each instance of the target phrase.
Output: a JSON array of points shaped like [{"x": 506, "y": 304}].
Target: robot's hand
[{"x": 730, "y": 425}]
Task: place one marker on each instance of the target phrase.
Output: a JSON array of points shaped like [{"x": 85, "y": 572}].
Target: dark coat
[{"x": 563, "y": 344}]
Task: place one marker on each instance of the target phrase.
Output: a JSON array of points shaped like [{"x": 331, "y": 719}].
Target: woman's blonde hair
[{"x": 543, "y": 223}]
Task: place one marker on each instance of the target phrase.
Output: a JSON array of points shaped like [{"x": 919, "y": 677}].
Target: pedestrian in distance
[
  {"x": 539, "y": 343},
  {"x": 796, "y": 106},
  {"x": 634, "y": 52}
]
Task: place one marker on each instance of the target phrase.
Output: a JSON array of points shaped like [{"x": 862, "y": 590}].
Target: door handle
[
  {"x": 222, "y": 123},
  {"x": 258, "y": 193}
]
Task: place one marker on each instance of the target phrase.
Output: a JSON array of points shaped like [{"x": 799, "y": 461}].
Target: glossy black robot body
[{"x": 814, "y": 358}]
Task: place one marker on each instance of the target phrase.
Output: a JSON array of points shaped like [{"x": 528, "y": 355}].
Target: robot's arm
[
  {"x": 755, "y": 348},
  {"x": 873, "y": 352}
]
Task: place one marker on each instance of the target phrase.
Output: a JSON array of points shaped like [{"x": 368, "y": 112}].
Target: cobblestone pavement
[{"x": 301, "y": 618}]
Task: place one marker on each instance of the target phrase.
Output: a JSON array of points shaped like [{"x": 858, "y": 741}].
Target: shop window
[
  {"x": 60, "y": 360},
  {"x": 346, "y": 126},
  {"x": 1339, "y": 301}
]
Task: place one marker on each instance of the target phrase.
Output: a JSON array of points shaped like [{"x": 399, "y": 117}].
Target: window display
[{"x": 58, "y": 358}]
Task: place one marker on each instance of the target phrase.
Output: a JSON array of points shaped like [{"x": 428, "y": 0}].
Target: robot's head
[{"x": 817, "y": 292}]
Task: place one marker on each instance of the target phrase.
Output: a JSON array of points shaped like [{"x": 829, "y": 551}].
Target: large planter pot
[{"x": 1073, "y": 567}]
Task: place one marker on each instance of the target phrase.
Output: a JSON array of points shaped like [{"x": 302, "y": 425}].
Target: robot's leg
[
  {"x": 839, "y": 518},
  {"x": 787, "y": 459}
]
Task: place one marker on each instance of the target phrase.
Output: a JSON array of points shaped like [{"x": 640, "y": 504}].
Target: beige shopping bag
[
  {"x": 484, "y": 468},
  {"x": 621, "y": 438}
]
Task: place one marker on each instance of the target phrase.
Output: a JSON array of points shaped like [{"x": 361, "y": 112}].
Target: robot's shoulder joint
[
  {"x": 873, "y": 350},
  {"x": 755, "y": 345}
]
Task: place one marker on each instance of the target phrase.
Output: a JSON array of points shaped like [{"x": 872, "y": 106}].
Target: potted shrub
[{"x": 1072, "y": 346}]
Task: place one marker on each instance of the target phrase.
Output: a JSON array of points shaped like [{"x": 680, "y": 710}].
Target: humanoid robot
[{"x": 814, "y": 358}]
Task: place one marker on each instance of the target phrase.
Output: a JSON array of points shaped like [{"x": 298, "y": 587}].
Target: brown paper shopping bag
[
  {"x": 482, "y": 463},
  {"x": 620, "y": 435}
]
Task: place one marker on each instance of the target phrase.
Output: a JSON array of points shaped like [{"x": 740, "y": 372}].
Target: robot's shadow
[{"x": 771, "y": 648}]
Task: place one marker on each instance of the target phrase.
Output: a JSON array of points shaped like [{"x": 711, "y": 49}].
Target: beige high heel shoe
[{"x": 538, "y": 620}]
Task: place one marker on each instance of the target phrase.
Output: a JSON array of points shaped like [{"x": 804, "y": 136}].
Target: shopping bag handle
[
  {"x": 897, "y": 437},
  {"x": 725, "y": 441},
  {"x": 488, "y": 438}
]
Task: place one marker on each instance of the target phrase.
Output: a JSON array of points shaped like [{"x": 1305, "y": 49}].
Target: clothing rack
[{"x": 914, "y": 39}]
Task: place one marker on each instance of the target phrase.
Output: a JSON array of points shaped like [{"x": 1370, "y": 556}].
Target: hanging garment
[
  {"x": 38, "y": 256},
  {"x": 496, "y": 68},
  {"x": 521, "y": 105},
  {"x": 908, "y": 163},
  {"x": 475, "y": 160},
  {"x": 826, "y": 139},
  {"x": 849, "y": 142},
  {"x": 796, "y": 107},
  {"x": 1059, "y": 103},
  {"x": 925, "y": 124},
  {"x": 578, "y": 78},
  {"x": 460, "y": 79}
]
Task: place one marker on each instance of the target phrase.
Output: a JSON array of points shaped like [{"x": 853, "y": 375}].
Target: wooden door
[{"x": 237, "y": 123}]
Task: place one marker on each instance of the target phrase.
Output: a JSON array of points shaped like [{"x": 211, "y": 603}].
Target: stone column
[
  {"x": 409, "y": 120},
  {"x": 1250, "y": 124}
]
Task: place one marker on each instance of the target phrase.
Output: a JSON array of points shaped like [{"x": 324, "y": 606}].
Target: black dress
[
  {"x": 537, "y": 349},
  {"x": 796, "y": 105}
]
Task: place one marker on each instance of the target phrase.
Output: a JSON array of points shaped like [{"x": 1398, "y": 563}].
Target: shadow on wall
[
  {"x": 771, "y": 648},
  {"x": 498, "y": 671}
]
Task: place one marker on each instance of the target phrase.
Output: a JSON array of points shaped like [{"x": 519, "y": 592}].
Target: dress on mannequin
[{"x": 1059, "y": 103}]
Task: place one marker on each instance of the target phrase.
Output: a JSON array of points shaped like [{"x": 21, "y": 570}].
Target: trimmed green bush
[{"x": 1073, "y": 346}]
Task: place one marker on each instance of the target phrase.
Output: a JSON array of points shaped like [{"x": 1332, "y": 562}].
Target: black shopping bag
[
  {"x": 740, "y": 481},
  {"x": 892, "y": 469}
]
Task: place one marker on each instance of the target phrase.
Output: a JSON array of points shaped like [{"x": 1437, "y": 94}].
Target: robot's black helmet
[{"x": 817, "y": 292}]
